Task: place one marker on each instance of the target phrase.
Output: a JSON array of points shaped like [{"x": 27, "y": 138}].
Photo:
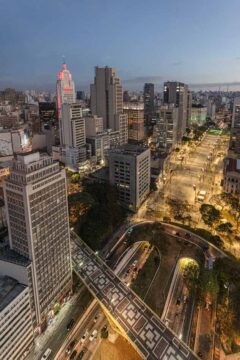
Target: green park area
[{"x": 95, "y": 213}]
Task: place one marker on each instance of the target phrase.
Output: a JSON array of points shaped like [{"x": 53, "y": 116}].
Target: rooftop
[
  {"x": 129, "y": 149},
  {"x": 9, "y": 255},
  {"x": 9, "y": 290},
  {"x": 233, "y": 165}
]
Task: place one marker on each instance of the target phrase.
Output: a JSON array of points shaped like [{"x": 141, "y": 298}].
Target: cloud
[
  {"x": 143, "y": 79},
  {"x": 177, "y": 63},
  {"x": 216, "y": 84}
]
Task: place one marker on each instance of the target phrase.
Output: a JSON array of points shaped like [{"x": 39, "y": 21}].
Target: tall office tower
[
  {"x": 135, "y": 113},
  {"x": 73, "y": 134},
  {"x": 166, "y": 128},
  {"x": 177, "y": 93},
  {"x": 235, "y": 136},
  {"x": 129, "y": 170},
  {"x": 65, "y": 89},
  {"x": 148, "y": 98},
  {"x": 107, "y": 101},
  {"x": 37, "y": 213},
  {"x": 189, "y": 108},
  {"x": 236, "y": 113}
]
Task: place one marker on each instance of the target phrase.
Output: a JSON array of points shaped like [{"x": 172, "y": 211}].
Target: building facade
[
  {"x": 129, "y": 170},
  {"x": 177, "y": 93},
  {"x": 37, "y": 214},
  {"x": 166, "y": 130},
  {"x": 135, "y": 114},
  {"x": 199, "y": 115},
  {"x": 72, "y": 135},
  {"x": 107, "y": 101},
  {"x": 148, "y": 98},
  {"x": 16, "y": 328},
  {"x": 231, "y": 172}
]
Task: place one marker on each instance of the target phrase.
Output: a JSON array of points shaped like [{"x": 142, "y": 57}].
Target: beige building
[
  {"x": 135, "y": 114},
  {"x": 107, "y": 101},
  {"x": 37, "y": 214},
  {"x": 231, "y": 171},
  {"x": 94, "y": 125},
  {"x": 129, "y": 170}
]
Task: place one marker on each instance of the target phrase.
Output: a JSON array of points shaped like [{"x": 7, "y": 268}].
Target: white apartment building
[
  {"x": 16, "y": 328},
  {"x": 37, "y": 214},
  {"x": 73, "y": 135},
  {"x": 129, "y": 170}
]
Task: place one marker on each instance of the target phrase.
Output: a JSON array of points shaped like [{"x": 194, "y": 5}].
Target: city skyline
[{"x": 173, "y": 42}]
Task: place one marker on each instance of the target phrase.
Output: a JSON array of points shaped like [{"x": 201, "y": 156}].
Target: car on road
[
  {"x": 46, "y": 354},
  {"x": 84, "y": 337},
  {"x": 81, "y": 354},
  {"x": 71, "y": 346},
  {"x": 187, "y": 236},
  {"x": 104, "y": 328},
  {"x": 134, "y": 263},
  {"x": 70, "y": 324},
  {"x": 94, "y": 335},
  {"x": 178, "y": 302},
  {"x": 95, "y": 319},
  {"x": 73, "y": 355}
]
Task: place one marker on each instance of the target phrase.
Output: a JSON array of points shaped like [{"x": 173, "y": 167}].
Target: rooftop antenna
[{"x": 63, "y": 59}]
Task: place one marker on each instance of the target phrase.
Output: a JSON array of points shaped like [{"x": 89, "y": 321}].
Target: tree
[
  {"x": 178, "y": 207},
  {"x": 191, "y": 274},
  {"x": 210, "y": 214},
  {"x": 225, "y": 227},
  {"x": 208, "y": 284}
]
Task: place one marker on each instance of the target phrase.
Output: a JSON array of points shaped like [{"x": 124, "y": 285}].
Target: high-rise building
[
  {"x": 189, "y": 108},
  {"x": 107, "y": 101},
  {"x": 235, "y": 132},
  {"x": 94, "y": 125},
  {"x": 47, "y": 112},
  {"x": 72, "y": 126},
  {"x": 65, "y": 89},
  {"x": 236, "y": 113},
  {"x": 129, "y": 170},
  {"x": 72, "y": 135},
  {"x": 148, "y": 98},
  {"x": 135, "y": 114},
  {"x": 37, "y": 214},
  {"x": 177, "y": 93},
  {"x": 166, "y": 128}
]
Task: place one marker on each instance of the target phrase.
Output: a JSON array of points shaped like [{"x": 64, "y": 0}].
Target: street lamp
[{"x": 194, "y": 188}]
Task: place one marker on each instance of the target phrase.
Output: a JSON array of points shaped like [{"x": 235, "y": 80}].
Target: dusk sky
[{"x": 187, "y": 40}]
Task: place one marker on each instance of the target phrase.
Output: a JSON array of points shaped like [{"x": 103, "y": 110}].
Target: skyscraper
[
  {"x": 65, "y": 89},
  {"x": 37, "y": 214},
  {"x": 107, "y": 101},
  {"x": 177, "y": 93},
  {"x": 148, "y": 98}
]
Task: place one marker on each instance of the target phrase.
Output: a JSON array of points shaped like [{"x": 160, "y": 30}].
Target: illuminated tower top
[{"x": 65, "y": 88}]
